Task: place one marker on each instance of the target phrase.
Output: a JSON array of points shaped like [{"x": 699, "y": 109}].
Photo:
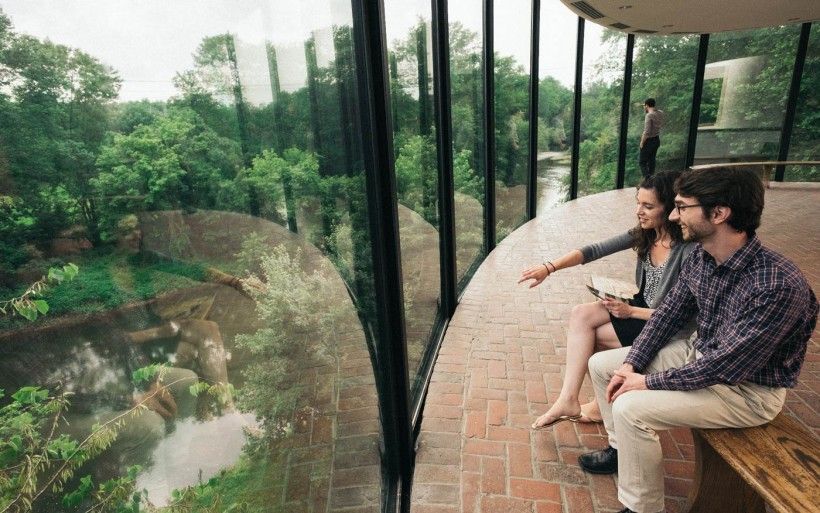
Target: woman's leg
[
  {"x": 604, "y": 336},
  {"x": 589, "y": 330}
]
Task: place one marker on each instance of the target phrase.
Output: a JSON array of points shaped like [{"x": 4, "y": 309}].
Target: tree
[
  {"x": 54, "y": 116},
  {"x": 270, "y": 173},
  {"x": 511, "y": 121},
  {"x": 127, "y": 116},
  {"x": 555, "y": 110},
  {"x": 175, "y": 162},
  {"x": 414, "y": 186}
]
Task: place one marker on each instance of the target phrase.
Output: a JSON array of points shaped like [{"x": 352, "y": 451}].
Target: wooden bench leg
[{"x": 717, "y": 487}]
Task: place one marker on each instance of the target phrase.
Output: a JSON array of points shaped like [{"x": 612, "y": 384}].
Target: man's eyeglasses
[{"x": 684, "y": 207}]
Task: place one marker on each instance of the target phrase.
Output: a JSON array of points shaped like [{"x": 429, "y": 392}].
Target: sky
[{"x": 149, "y": 41}]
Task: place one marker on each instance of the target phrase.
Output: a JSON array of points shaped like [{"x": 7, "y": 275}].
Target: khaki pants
[{"x": 634, "y": 419}]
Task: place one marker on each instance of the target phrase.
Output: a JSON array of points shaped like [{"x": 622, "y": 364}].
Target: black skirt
[{"x": 628, "y": 330}]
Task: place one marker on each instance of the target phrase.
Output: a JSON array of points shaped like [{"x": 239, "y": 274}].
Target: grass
[{"x": 109, "y": 280}]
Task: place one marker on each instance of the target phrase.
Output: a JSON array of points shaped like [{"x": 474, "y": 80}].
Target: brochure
[{"x": 611, "y": 288}]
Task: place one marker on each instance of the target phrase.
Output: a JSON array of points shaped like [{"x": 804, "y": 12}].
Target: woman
[{"x": 609, "y": 324}]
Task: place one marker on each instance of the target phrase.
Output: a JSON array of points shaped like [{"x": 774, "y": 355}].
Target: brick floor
[{"x": 501, "y": 364}]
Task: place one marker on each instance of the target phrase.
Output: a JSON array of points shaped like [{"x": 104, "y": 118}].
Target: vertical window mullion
[
  {"x": 697, "y": 94},
  {"x": 444, "y": 136},
  {"x": 390, "y": 340},
  {"x": 576, "y": 110},
  {"x": 532, "y": 170},
  {"x": 791, "y": 103},
  {"x": 489, "y": 125},
  {"x": 625, "y": 99}
]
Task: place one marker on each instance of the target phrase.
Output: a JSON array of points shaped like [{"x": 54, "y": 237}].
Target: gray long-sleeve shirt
[
  {"x": 652, "y": 123},
  {"x": 677, "y": 255}
]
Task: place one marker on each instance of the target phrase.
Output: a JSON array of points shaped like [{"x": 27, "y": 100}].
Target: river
[{"x": 553, "y": 167}]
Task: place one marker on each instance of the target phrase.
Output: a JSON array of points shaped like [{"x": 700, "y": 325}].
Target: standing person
[
  {"x": 650, "y": 138},
  {"x": 755, "y": 315},
  {"x": 610, "y": 324}
]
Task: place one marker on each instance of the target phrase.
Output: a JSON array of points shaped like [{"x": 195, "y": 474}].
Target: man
[
  {"x": 755, "y": 315},
  {"x": 650, "y": 138}
]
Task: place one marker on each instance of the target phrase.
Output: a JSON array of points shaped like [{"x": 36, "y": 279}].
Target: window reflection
[
  {"x": 200, "y": 163},
  {"x": 604, "y": 51},
  {"x": 468, "y": 148},
  {"x": 746, "y": 81},
  {"x": 555, "y": 94},
  {"x": 663, "y": 68},
  {"x": 410, "y": 57},
  {"x": 805, "y": 142},
  {"x": 512, "y": 64}
]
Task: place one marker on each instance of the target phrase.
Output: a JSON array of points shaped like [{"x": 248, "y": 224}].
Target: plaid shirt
[{"x": 756, "y": 313}]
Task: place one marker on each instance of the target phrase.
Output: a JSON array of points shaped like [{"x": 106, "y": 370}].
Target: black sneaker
[{"x": 600, "y": 462}]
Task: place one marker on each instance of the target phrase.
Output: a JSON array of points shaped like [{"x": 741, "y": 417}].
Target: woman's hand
[
  {"x": 538, "y": 273},
  {"x": 617, "y": 308}
]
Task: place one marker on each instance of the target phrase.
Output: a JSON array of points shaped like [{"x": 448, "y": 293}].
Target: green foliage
[
  {"x": 17, "y": 228},
  {"x": 71, "y": 156},
  {"x": 555, "y": 112},
  {"x": 147, "y": 373},
  {"x": 805, "y": 144},
  {"x": 417, "y": 176},
  {"x": 30, "y": 395},
  {"x": 244, "y": 488},
  {"x": 175, "y": 162},
  {"x": 35, "y": 459},
  {"x": 111, "y": 280},
  {"x": 127, "y": 116},
  {"x": 511, "y": 117},
  {"x": 270, "y": 173},
  {"x": 52, "y": 120},
  {"x": 27, "y": 305},
  {"x": 465, "y": 178},
  {"x": 287, "y": 299}
]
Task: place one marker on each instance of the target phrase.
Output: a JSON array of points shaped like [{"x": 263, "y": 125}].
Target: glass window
[
  {"x": 467, "y": 96},
  {"x": 410, "y": 58},
  {"x": 746, "y": 82},
  {"x": 604, "y": 51},
  {"x": 663, "y": 68},
  {"x": 200, "y": 164},
  {"x": 511, "y": 25},
  {"x": 805, "y": 142},
  {"x": 556, "y": 70}
]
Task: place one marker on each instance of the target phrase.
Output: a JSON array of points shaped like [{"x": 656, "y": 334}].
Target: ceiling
[{"x": 693, "y": 16}]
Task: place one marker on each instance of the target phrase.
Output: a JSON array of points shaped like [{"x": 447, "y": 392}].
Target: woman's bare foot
[
  {"x": 591, "y": 413},
  {"x": 558, "y": 413}
]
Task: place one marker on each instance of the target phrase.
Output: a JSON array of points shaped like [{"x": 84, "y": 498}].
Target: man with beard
[{"x": 755, "y": 315}]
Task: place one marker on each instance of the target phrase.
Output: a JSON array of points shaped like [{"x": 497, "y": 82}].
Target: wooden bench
[
  {"x": 767, "y": 166},
  {"x": 742, "y": 470}
]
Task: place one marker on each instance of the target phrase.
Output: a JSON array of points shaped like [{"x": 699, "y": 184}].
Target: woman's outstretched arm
[{"x": 539, "y": 273}]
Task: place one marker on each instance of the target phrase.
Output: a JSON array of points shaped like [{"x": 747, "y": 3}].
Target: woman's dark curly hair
[{"x": 663, "y": 184}]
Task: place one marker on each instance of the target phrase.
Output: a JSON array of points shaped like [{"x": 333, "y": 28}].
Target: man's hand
[
  {"x": 158, "y": 399},
  {"x": 617, "y": 381},
  {"x": 625, "y": 380},
  {"x": 538, "y": 273}
]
